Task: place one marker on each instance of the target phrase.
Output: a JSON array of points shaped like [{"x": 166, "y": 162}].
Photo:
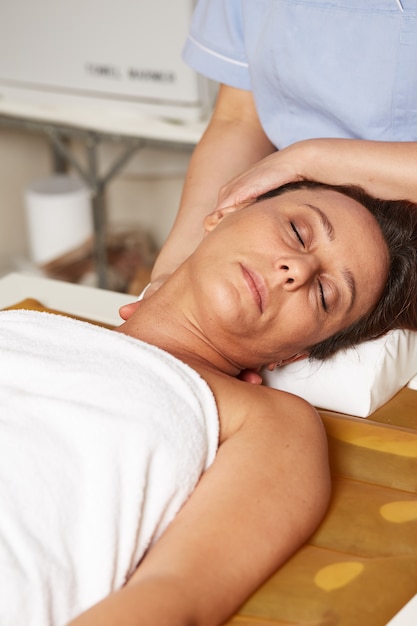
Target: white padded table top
[{"x": 88, "y": 302}]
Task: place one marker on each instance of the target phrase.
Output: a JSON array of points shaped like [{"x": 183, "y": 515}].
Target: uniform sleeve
[{"x": 215, "y": 45}]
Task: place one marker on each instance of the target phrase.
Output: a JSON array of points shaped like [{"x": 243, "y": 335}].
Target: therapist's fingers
[
  {"x": 154, "y": 286},
  {"x": 127, "y": 310},
  {"x": 251, "y": 376}
]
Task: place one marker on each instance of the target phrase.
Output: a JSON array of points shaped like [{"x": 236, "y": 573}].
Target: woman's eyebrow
[
  {"x": 329, "y": 230},
  {"x": 350, "y": 281},
  {"x": 326, "y": 223}
]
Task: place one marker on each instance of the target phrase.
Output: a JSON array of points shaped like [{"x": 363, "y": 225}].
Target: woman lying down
[{"x": 142, "y": 482}]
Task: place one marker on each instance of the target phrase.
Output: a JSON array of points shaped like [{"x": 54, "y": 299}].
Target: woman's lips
[{"x": 256, "y": 286}]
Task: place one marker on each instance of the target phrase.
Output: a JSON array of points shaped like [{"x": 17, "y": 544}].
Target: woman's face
[{"x": 283, "y": 274}]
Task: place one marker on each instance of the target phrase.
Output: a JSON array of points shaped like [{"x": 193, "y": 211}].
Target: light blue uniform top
[{"x": 317, "y": 68}]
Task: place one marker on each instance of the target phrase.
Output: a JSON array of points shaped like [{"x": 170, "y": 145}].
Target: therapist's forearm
[
  {"x": 384, "y": 169},
  {"x": 233, "y": 141}
]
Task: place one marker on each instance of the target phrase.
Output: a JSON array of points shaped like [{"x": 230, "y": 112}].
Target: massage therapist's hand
[
  {"x": 251, "y": 376},
  {"x": 154, "y": 286}
]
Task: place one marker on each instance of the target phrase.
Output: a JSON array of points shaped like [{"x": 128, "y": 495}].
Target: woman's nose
[{"x": 296, "y": 271}]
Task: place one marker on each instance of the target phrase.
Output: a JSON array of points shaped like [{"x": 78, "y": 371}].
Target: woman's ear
[
  {"x": 297, "y": 357},
  {"x": 213, "y": 219}
]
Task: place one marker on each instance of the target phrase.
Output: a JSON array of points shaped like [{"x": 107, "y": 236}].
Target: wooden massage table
[{"x": 360, "y": 567}]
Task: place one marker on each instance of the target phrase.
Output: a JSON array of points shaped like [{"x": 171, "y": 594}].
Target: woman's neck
[{"x": 164, "y": 320}]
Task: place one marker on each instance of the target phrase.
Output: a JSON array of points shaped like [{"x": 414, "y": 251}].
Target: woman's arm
[
  {"x": 234, "y": 140},
  {"x": 262, "y": 498},
  {"x": 384, "y": 169}
]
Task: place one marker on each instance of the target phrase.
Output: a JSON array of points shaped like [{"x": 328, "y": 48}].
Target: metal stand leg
[
  {"x": 59, "y": 162},
  {"x": 97, "y": 185},
  {"x": 99, "y": 214}
]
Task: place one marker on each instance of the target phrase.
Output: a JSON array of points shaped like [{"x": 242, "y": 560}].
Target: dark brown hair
[{"x": 397, "y": 306}]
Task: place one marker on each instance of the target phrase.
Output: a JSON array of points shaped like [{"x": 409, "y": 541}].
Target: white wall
[{"x": 146, "y": 193}]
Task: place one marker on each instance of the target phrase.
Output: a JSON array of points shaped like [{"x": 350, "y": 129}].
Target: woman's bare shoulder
[{"x": 244, "y": 405}]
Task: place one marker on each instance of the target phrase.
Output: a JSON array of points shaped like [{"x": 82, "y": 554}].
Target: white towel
[{"x": 102, "y": 439}]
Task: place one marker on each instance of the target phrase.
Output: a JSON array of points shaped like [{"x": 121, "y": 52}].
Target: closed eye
[
  {"x": 321, "y": 290},
  {"x": 297, "y": 234},
  {"x": 322, "y": 297}
]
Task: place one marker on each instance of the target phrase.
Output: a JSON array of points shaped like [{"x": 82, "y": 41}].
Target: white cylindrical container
[{"x": 59, "y": 216}]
